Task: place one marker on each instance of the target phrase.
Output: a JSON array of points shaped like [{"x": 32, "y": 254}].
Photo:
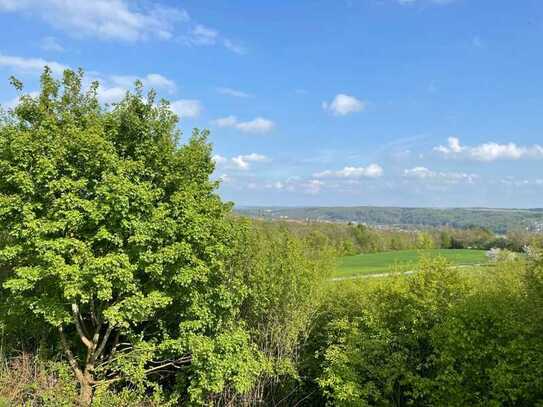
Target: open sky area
[{"x": 323, "y": 102}]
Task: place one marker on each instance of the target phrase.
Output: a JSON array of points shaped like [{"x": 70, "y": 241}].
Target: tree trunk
[
  {"x": 85, "y": 378},
  {"x": 85, "y": 393}
]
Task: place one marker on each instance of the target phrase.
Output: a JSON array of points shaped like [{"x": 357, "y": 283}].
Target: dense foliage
[
  {"x": 114, "y": 238},
  {"x": 138, "y": 286},
  {"x": 439, "y": 337},
  {"x": 350, "y": 239}
]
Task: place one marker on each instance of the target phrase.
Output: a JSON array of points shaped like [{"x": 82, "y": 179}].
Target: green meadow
[{"x": 403, "y": 260}]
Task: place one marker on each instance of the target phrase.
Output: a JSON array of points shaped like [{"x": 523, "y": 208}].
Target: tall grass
[{"x": 25, "y": 380}]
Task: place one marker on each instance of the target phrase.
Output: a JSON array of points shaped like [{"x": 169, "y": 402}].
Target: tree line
[{"x": 351, "y": 239}]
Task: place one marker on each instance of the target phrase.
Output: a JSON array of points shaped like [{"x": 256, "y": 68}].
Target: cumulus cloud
[
  {"x": 343, "y": 105},
  {"x": 489, "y": 151},
  {"x": 371, "y": 171},
  {"x": 240, "y": 162},
  {"x": 120, "y": 20},
  {"x": 109, "y": 95},
  {"x": 423, "y": 173},
  {"x": 29, "y": 65},
  {"x": 257, "y": 125},
  {"x": 186, "y": 107},
  {"x": 104, "y": 19},
  {"x": 112, "y": 87},
  {"x": 243, "y": 161}
]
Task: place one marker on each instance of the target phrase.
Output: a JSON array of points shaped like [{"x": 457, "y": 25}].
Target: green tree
[
  {"x": 113, "y": 235},
  {"x": 424, "y": 241}
]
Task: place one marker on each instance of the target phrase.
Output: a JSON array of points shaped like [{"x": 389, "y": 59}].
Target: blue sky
[{"x": 324, "y": 102}]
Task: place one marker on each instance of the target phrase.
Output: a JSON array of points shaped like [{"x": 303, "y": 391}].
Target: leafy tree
[
  {"x": 424, "y": 241},
  {"x": 114, "y": 236},
  {"x": 445, "y": 239}
]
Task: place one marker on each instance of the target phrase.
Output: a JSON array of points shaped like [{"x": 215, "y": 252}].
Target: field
[{"x": 403, "y": 260}]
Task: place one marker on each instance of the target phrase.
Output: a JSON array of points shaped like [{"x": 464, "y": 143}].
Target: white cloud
[
  {"x": 30, "y": 65},
  {"x": 493, "y": 151},
  {"x": 292, "y": 184},
  {"x": 489, "y": 151},
  {"x": 113, "y": 88},
  {"x": 228, "y": 121},
  {"x": 10, "y": 104},
  {"x": 343, "y": 105},
  {"x": 109, "y": 95},
  {"x": 121, "y": 20},
  {"x": 152, "y": 80},
  {"x": 257, "y": 125},
  {"x": 233, "y": 92},
  {"x": 419, "y": 172},
  {"x": 371, "y": 171},
  {"x": 51, "y": 44},
  {"x": 243, "y": 161},
  {"x": 105, "y": 19},
  {"x": 240, "y": 162},
  {"x": 219, "y": 159},
  {"x": 186, "y": 108},
  {"x": 202, "y": 35},
  {"x": 423, "y": 173},
  {"x": 234, "y": 47}
]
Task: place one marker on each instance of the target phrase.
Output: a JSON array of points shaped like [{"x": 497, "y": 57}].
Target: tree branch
[
  {"x": 77, "y": 318},
  {"x": 71, "y": 359},
  {"x": 104, "y": 342},
  {"x": 176, "y": 364},
  {"x": 93, "y": 312}
]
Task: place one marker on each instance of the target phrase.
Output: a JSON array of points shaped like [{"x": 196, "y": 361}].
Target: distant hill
[{"x": 497, "y": 220}]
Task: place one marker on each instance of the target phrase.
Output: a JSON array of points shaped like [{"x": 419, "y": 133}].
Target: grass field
[{"x": 403, "y": 260}]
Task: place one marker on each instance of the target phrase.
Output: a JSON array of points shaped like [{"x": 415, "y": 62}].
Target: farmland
[{"x": 403, "y": 260}]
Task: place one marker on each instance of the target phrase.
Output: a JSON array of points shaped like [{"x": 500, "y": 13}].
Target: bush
[{"x": 438, "y": 337}]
